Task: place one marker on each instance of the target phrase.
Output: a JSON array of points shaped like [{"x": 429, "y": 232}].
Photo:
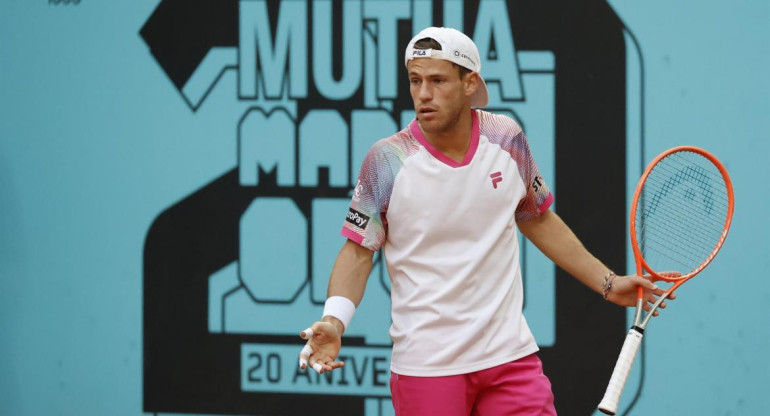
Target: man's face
[{"x": 438, "y": 93}]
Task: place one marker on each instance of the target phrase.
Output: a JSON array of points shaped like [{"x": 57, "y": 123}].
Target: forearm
[
  {"x": 557, "y": 241},
  {"x": 348, "y": 279},
  {"x": 350, "y": 272}
]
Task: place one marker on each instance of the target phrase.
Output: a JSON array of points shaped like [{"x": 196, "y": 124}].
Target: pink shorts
[{"x": 517, "y": 388}]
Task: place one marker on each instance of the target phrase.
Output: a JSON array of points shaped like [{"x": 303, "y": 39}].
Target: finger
[
  {"x": 651, "y": 299},
  {"x": 648, "y": 307},
  {"x": 331, "y": 365},
  {"x": 645, "y": 281},
  {"x": 319, "y": 368},
  {"x": 304, "y": 355},
  {"x": 316, "y": 365},
  {"x": 306, "y": 334}
]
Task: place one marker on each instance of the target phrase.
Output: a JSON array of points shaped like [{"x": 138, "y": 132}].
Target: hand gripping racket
[{"x": 680, "y": 215}]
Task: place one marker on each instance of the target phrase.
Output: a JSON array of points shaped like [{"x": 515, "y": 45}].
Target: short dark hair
[{"x": 430, "y": 43}]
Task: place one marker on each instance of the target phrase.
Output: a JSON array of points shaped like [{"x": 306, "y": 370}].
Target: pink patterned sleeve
[
  {"x": 538, "y": 198},
  {"x": 365, "y": 222},
  {"x": 505, "y": 132}
]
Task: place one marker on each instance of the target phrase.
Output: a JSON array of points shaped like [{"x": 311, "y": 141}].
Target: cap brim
[{"x": 480, "y": 98}]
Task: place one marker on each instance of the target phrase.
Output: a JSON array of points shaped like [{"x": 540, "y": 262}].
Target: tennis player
[{"x": 444, "y": 198}]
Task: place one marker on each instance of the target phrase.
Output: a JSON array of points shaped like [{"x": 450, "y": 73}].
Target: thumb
[
  {"x": 309, "y": 332},
  {"x": 647, "y": 283}
]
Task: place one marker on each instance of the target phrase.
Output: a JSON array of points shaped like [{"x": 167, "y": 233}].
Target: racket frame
[{"x": 641, "y": 264}]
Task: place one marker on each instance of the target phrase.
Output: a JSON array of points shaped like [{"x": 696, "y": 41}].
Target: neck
[{"x": 454, "y": 141}]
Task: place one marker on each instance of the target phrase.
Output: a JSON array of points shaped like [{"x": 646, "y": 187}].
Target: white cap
[{"x": 456, "y": 47}]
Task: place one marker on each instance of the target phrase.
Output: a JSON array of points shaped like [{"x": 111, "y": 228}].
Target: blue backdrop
[{"x": 103, "y": 144}]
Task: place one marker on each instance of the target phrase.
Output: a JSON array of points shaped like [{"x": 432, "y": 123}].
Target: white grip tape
[
  {"x": 609, "y": 403},
  {"x": 341, "y": 308}
]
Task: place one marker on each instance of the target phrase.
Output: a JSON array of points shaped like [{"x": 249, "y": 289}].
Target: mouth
[{"x": 426, "y": 110}]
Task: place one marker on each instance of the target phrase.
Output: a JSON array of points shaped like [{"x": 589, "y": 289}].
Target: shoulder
[
  {"x": 503, "y": 131},
  {"x": 395, "y": 147},
  {"x": 388, "y": 154},
  {"x": 496, "y": 125}
]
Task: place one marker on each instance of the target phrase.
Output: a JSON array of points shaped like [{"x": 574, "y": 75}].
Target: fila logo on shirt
[
  {"x": 496, "y": 177},
  {"x": 356, "y": 218}
]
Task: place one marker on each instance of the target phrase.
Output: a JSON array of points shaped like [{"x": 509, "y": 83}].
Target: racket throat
[
  {"x": 653, "y": 308},
  {"x": 638, "y": 314}
]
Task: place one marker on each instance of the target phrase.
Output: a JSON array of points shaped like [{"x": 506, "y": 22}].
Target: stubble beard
[{"x": 443, "y": 125}]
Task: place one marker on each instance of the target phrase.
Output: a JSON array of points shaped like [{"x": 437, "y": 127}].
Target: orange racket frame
[{"x": 641, "y": 264}]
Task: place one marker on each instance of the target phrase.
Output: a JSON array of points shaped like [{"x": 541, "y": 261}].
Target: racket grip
[{"x": 609, "y": 403}]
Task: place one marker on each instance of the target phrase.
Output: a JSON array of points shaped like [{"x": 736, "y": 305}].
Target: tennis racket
[{"x": 680, "y": 216}]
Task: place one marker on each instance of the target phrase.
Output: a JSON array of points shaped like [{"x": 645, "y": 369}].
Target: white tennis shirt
[{"x": 450, "y": 242}]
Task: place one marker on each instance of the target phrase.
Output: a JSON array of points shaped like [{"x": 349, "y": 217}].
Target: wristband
[{"x": 341, "y": 308}]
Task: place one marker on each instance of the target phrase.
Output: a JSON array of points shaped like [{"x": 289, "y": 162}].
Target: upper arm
[
  {"x": 553, "y": 237},
  {"x": 537, "y": 228}
]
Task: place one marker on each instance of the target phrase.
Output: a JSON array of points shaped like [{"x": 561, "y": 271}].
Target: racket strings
[
  {"x": 688, "y": 232},
  {"x": 694, "y": 174},
  {"x": 679, "y": 260},
  {"x": 673, "y": 246},
  {"x": 681, "y": 212},
  {"x": 679, "y": 244},
  {"x": 671, "y": 243}
]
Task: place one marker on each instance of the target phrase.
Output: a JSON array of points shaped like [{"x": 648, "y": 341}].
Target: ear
[{"x": 471, "y": 83}]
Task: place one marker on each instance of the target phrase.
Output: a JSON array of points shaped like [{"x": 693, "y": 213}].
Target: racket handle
[{"x": 609, "y": 403}]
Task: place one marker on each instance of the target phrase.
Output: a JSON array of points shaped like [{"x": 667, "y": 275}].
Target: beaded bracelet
[{"x": 608, "y": 279}]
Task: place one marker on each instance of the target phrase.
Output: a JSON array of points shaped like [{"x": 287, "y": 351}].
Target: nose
[{"x": 425, "y": 93}]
